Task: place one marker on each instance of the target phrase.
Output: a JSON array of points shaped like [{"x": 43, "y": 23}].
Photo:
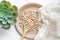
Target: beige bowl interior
[{"x": 30, "y": 35}]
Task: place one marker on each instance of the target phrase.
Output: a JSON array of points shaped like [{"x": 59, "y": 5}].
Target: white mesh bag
[{"x": 51, "y": 28}]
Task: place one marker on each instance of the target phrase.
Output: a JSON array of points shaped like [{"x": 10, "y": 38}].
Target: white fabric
[{"x": 52, "y": 12}]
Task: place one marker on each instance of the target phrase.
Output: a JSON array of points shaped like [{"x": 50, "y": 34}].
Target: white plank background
[{"x": 12, "y": 34}]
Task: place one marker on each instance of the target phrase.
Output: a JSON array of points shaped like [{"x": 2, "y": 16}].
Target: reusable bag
[{"x": 51, "y": 28}]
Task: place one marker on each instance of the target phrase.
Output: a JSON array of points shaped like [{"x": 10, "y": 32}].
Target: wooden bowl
[{"x": 32, "y": 34}]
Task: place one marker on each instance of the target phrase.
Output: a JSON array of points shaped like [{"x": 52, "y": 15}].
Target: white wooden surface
[{"x": 12, "y": 34}]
